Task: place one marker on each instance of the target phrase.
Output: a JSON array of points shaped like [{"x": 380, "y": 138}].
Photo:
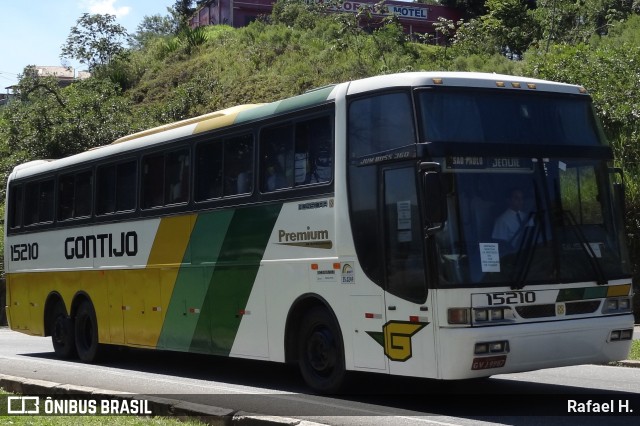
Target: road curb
[
  {"x": 627, "y": 363},
  {"x": 160, "y": 407}
]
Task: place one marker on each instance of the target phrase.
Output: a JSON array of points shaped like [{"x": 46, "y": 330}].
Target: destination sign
[{"x": 488, "y": 163}]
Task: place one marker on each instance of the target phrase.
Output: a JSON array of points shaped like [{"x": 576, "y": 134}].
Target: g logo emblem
[{"x": 396, "y": 338}]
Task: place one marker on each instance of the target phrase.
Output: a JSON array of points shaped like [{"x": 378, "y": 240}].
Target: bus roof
[
  {"x": 245, "y": 113},
  {"x": 461, "y": 79}
]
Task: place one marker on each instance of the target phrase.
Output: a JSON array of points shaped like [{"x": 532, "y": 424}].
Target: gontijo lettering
[{"x": 101, "y": 246}]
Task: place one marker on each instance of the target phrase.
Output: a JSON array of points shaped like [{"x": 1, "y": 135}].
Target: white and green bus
[{"x": 351, "y": 228}]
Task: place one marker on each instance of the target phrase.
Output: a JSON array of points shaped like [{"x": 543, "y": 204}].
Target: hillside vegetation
[{"x": 170, "y": 76}]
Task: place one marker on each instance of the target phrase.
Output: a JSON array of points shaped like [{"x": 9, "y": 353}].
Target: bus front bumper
[{"x": 486, "y": 351}]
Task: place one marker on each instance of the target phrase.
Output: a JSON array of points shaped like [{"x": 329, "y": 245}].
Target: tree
[
  {"x": 95, "y": 40},
  {"x": 508, "y": 28},
  {"x": 470, "y": 8},
  {"x": 47, "y": 121},
  {"x": 153, "y": 27},
  {"x": 567, "y": 21},
  {"x": 181, "y": 11}
]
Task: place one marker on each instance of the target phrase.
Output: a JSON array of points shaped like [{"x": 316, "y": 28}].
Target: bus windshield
[
  {"x": 521, "y": 221},
  {"x": 483, "y": 116}
]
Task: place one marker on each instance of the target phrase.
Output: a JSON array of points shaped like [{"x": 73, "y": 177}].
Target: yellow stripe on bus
[
  {"x": 167, "y": 254},
  {"x": 227, "y": 119},
  {"x": 619, "y": 290}
]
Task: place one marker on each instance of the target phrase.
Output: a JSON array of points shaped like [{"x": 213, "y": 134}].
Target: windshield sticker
[
  {"x": 490, "y": 257},
  {"x": 489, "y": 163}
]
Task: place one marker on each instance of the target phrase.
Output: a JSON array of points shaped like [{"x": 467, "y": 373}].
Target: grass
[
  {"x": 634, "y": 353},
  {"x": 97, "y": 420}
]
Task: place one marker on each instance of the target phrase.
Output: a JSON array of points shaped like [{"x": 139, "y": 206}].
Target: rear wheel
[
  {"x": 86, "y": 331},
  {"x": 320, "y": 351},
  {"x": 62, "y": 332}
]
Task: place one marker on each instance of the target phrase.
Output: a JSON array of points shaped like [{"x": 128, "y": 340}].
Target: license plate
[{"x": 489, "y": 362}]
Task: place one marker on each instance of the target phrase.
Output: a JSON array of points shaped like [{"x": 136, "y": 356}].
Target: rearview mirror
[{"x": 434, "y": 199}]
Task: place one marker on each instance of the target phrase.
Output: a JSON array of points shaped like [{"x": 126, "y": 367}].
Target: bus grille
[
  {"x": 549, "y": 310},
  {"x": 536, "y": 311},
  {"x": 577, "y": 308}
]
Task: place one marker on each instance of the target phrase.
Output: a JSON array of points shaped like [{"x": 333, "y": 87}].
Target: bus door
[{"x": 408, "y": 332}]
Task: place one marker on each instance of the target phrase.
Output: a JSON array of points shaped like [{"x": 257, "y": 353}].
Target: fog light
[
  {"x": 496, "y": 347},
  {"x": 481, "y": 348},
  {"x": 626, "y": 334}
]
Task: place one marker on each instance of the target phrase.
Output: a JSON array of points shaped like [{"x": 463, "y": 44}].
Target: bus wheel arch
[
  {"x": 313, "y": 338},
  {"x": 86, "y": 329},
  {"x": 60, "y": 326}
]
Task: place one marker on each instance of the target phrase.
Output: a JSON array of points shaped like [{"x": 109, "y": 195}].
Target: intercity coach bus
[{"x": 351, "y": 228}]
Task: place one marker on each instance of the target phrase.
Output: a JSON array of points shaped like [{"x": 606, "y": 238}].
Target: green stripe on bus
[
  {"x": 233, "y": 277},
  {"x": 295, "y": 103},
  {"x": 202, "y": 252},
  {"x": 582, "y": 293}
]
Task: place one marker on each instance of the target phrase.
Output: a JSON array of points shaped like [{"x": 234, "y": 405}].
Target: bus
[{"x": 354, "y": 227}]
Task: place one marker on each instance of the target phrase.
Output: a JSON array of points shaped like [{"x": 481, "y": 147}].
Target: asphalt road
[{"x": 273, "y": 389}]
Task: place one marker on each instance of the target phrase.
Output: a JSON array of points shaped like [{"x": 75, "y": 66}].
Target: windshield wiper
[
  {"x": 586, "y": 247},
  {"x": 526, "y": 249}
]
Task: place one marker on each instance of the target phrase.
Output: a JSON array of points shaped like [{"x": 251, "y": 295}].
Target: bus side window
[
  {"x": 66, "y": 185},
  {"x": 208, "y": 171},
  {"x": 83, "y": 193},
  {"x": 74, "y": 195},
  {"x": 39, "y": 202},
  {"x": 106, "y": 190},
  {"x": 314, "y": 151},
  {"x": 116, "y": 188},
  {"x": 380, "y": 123},
  {"x": 238, "y": 165},
  {"x": 126, "y": 186},
  {"x": 177, "y": 175},
  {"x": 152, "y": 181},
  {"x": 276, "y": 148},
  {"x": 15, "y": 201}
]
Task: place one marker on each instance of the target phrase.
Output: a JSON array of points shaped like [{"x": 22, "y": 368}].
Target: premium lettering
[
  {"x": 286, "y": 237},
  {"x": 101, "y": 246}
]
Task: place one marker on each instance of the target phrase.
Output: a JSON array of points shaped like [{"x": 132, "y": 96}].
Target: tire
[
  {"x": 321, "y": 352},
  {"x": 86, "y": 331},
  {"x": 62, "y": 333}
]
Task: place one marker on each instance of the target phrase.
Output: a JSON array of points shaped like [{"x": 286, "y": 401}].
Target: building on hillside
[
  {"x": 64, "y": 75},
  {"x": 5, "y": 98},
  {"x": 414, "y": 17}
]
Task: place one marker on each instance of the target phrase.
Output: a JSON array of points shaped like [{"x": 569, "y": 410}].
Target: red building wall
[{"x": 414, "y": 17}]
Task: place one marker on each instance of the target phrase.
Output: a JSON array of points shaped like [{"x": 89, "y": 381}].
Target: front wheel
[
  {"x": 320, "y": 352},
  {"x": 86, "y": 330}
]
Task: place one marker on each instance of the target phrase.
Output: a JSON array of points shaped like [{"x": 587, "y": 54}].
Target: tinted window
[
  {"x": 380, "y": 123},
  {"x": 74, "y": 195},
  {"x": 501, "y": 117},
  {"x": 224, "y": 168},
  {"x": 39, "y": 202},
  {"x": 116, "y": 188},
  {"x": 165, "y": 178},
  {"x": 296, "y": 154},
  {"x": 15, "y": 209}
]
